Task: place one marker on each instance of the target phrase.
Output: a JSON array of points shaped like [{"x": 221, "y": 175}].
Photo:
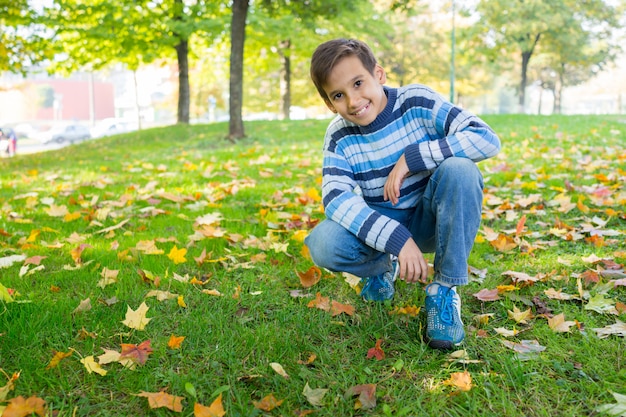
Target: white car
[
  {"x": 109, "y": 127},
  {"x": 65, "y": 133}
]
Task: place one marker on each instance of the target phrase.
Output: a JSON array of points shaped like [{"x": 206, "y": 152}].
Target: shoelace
[{"x": 447, "y": 306}]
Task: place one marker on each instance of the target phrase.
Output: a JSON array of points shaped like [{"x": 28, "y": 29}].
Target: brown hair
[{"x": 329, "y": 53}]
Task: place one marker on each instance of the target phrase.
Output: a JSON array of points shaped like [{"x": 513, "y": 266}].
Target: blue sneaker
[
  {"x": 381, "y": 287},
  {"x": 444, "y": 328}
]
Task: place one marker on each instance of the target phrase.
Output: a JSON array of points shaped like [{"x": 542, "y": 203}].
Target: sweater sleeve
[
  {"x": 346, "y": 207},
  {"x": 453, "y": 132}
]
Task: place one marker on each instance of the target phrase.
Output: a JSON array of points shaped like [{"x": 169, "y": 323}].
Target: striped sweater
[{"x": 417, "y": 122}]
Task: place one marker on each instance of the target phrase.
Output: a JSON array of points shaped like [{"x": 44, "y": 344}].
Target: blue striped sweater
[{"x": 417, "y": 122}]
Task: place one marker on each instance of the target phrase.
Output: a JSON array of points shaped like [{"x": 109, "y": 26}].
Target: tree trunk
[
  {"x": 285, "y": 77},
  {"x": 526, "y": 54},
  {"x": 237, "y": 40},
  {"x": 558, "y": 93},
  {"x": 182, "y": 55}
]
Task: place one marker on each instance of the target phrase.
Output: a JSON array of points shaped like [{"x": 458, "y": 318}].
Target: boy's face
[{"x": 354, "y": 93}]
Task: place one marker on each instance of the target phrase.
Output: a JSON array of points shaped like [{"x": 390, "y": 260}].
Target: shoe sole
[{"x": 442, "y": 344}]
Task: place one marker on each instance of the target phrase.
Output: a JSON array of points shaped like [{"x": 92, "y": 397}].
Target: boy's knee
[{"x": 463, "y": 169}]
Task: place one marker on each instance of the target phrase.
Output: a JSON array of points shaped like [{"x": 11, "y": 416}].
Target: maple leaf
[
  {"x": 267, "y": 403},
  {"x": 175, "y": 342},
  {"x": 77, "y": 252},
  {"x": 148, "y": 247},
  {"x": 337, "y": 308},
  {"x": 503, "y": 243},
  {"x": 216, "y": 409},
  {"x": 524, "y": 346},
  {"x": 619, "y": 329},
  {"x": 92, "y": 366},
  {"x": 34, "y": 260},
  {"x": 85, "y": 305},
  {"x": 323, "y": 303},
  {"x": 559, "y": 325},
  {"x": 411, "y": 311},
  {"x": 138, "y": 353},
  {"x": 601, "y": 305},
  {"x": 10, "y": 386},
  {"x": 519, "y": 277},
  {"x": 163, "y": 399},
  {"x": 310, "y": 277},
  {"x": 366, "y": 393},
  {"x": 161, "y": 295},
  {"x": 519, "y": 316},
  {"x": 58, "y": 357},
  {"x": 314, "y": 396},
  {"x": 21, "y": 407},
  {"x": 506, "y": 332},
  {"x": 177, "y": 255},
  {"x": 376, "y": 352},
  {"x": 461, "y": 380},
  {"x": 136, "y": 319}
]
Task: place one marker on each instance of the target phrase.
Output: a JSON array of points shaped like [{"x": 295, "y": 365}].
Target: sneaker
[
  {"x": 444, "y": 328},
  {"x": 381, "y": 287}
]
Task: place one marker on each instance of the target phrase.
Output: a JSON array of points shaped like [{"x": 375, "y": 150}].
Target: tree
[
  {"x": 237, "y": 41},
  {"x": 97, "y": 33},
  {"x": 521, "y": 25}
]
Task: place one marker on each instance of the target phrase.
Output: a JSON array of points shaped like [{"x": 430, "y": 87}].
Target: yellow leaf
[
  {"x": 148, "y": 247},
  {"x": 56, "y": 211},
  {"x": 181, "y": 302},
  {"x": 278, "y": 368},
  {"x": 177, "y": 255},
  {"x": 92, "y": 366},
  {"x": 69, "y": 217},
  {"x": 163, "y": 399},
  {"x": 559, "y": 325},
  {"x": 268, "y": 403},
  {"x": 136, "y": 319},
  {"x": 520, "y": 316},
  {"x": 57, "y": 358}
]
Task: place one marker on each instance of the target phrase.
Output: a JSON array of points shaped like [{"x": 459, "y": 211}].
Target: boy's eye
[
  {"x": 358, "y": 83},
  {"x": 337, "y": 96}
]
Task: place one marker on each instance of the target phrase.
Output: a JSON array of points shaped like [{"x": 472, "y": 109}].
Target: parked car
[
  {"x": 65, "y": 133},
  {"x": 112, "y": 126}
]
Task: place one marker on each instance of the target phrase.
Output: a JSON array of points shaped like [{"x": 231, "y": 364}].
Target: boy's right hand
[{"x": 413, "y": 266}]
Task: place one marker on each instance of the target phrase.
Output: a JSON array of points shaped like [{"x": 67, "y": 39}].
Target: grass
[{"x": 160, "y": 181}]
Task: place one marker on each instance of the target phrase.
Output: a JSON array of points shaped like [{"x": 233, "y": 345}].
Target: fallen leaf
[
  {"x": 618, "y": 329},
  {"x": 376, "y": 351},
  {"x": 323, "y": 303},
  {"x": 20, "y": 407},
  {"x": 84, "y": 305},
  {"x": 57, "y": 358},
  {"x": 177, "y": 255},
  {"x": 267, "y": 403},
  {"x": 520, "y": 316},
  {"x": 559, "y": 325},
  {"x": 216, "y": 409},
  {"x": 487, "y": 295},
  {"x": 163, "y": 399},
  {"x": 461, "y": 380},
  {"x": 92, "y": 366},
  {"x": 137, "y": 353},
  {"x": 278, "y": 368},
  {"x": 314, "y": 396},
  {"x": 366, "y": 393},
  {"x": 337, "y": 308},
  {"x": 310, "y": 277},
  {"x": 617, "y": 409},
  {"x": 136, "y": 319}
]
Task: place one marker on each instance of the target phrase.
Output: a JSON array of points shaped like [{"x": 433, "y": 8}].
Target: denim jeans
[{"x": 445, "y": 221}]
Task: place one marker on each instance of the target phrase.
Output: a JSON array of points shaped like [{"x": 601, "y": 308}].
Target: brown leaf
[
  {"x": 376, "y": 351},
  {"x": 337, "y": 308},
  {"x": 310, "y": 277},
  {"x": 163, "y": 399},
  {"x": 487, "y": 295},
  {"x": 366, "y": 393},
  {"x": 34, "y": 260},
  {"x": 323, "y": 303},
  {"x": 503, "y": 243},
  {"x": 138, "y": 353}
]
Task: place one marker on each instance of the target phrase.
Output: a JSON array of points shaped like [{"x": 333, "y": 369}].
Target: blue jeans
[{"x": 445, "y": 221}]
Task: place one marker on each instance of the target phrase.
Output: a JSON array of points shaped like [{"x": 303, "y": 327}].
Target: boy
[{"x": 399, "y": 179}]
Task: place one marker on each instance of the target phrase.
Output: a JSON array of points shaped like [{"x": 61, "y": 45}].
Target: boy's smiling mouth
[{"x": 362, "y": 110}]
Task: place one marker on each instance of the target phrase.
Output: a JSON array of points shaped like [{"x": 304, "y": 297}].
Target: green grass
[{"x": 161, "y": 180}]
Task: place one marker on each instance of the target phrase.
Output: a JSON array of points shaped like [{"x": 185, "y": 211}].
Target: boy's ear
[{"x": 380, "y": 74}]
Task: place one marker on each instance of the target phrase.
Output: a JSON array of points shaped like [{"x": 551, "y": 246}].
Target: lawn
[{"x": 162, "y": 273}]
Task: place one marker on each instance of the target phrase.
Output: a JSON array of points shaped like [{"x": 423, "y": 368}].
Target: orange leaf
[
  {"x": 137, "y": 353},
  {"x": 34, "y": 260},
  {"x": 310, "y": 277},
  {"x": 216, "y": 409},
  {"x": 461, "y": 380},
  {"x": 77, "y": 252},
  {"x": 323, "y": 303},
  {"x": 57, "y": 358},
  {"x": 175, "y": 342},
  {"x": 376, "y": 351},
  {"x": 520, "y": 226},
  {"x": 503, "y": 243},
  {"x": 163, "y": 399},
  {"x": 268, "y": 403},
  {"x": 338, "y": 308},
  {"x": 20, "y": 407}
]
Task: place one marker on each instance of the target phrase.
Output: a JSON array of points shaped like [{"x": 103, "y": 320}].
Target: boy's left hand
[{"x": 394, "y": 180}]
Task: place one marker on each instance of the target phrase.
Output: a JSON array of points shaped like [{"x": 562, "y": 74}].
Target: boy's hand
[
  {"x": 394, "y": 181},
  {"x": 413, "y": 266}
]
